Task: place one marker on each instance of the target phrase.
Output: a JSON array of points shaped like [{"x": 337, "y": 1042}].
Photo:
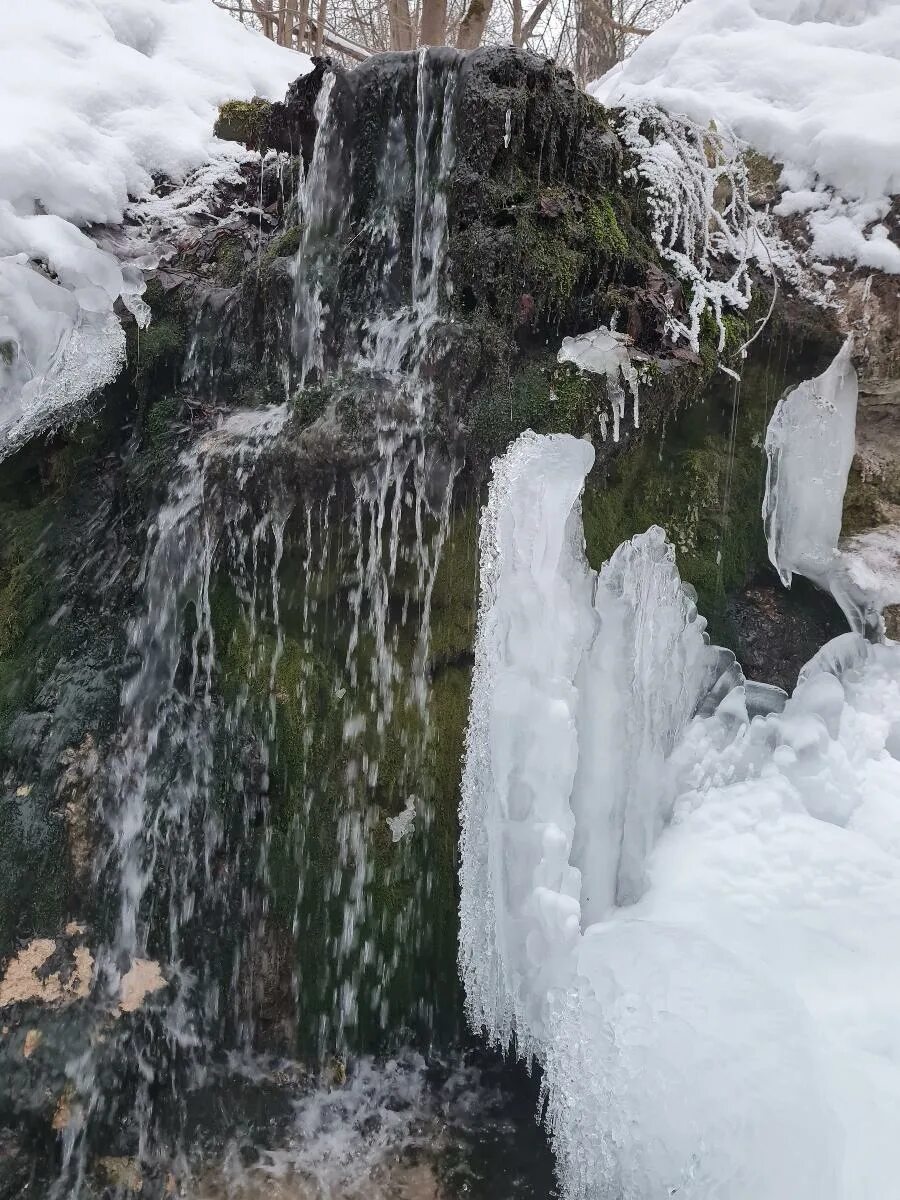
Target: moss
[
  {"x": 285, "y": 245},
  {"x": 229, "y": 260},
  {"x": 23, "y": 598},
  {"x": 159, "y": 425},
  {"x": 243, "y": 121},
  {"x": 604, "y": 227},
  {"x": 310, "y": 403},
  {"x": 703, "y": 490},
  {"x": 862, "y": 503},
  {"x": 155, "y": 353},
  {"x": 550, "y": 265}
]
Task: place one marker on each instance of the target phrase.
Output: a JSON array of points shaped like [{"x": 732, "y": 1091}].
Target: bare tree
[
  {"x": 588, "y": 36},
  {"x": 433, "y": 23},
  {"x": 474, "y": 23}
]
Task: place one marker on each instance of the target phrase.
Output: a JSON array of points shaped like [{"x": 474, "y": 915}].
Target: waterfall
[
  {"x": 275, "y": 712},
  {"x": 669, "y": 902}
]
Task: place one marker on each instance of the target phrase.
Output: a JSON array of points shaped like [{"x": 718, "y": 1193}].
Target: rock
[
  {"x": 777, "y": 631},
  {"x": 141, "y": 980},
  {"x": 48, "y": 972},
  {"x": 33, "y": 1039},
  {"x": 121, "y": 1173}
]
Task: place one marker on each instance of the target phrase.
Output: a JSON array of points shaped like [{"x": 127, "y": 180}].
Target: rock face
[{"x": 455, "y": 217}]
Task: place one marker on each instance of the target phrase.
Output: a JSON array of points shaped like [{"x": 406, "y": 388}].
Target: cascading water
[{"x": 267, "y": 736}]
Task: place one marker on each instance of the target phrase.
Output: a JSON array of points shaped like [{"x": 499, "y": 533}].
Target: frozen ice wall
[
  {"x": 810, "y": 444},
  {"x": 691, "y": 918}
]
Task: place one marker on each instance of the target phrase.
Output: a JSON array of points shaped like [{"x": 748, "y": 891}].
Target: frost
[
  {"x": 603, "y": 352},
  {"x": 812, "y": 84},
  {"x": 688, "y": 916},
  {"x": 99, "y": 98},
  {"x": 684, "y": 169}
]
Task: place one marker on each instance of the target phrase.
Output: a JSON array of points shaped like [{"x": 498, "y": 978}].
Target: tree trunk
[
  {"x": 301, "y": 28},
  {"x": 474, "y": 23},
  {"x": 433, "y": 23},
  {"x": 517, "y": 36},
  {"x": 320, "y": 25},
  {"x": 401, "y": 25},
  {"x": 597, "y": 44}
]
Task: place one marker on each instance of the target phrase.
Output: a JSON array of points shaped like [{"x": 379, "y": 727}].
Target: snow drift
[
  {"x": 690, "y": 917},
  {"x": 98, "y": 97},
  {"x": 812, "y": 84}
]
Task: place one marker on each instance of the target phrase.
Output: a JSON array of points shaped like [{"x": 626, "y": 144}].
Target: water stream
[{"x": 270, "y": 854}]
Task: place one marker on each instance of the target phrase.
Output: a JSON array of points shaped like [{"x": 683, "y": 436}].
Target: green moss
[
  {"x": 23, "y": 598},
  {"x": 158, "y": 425},
  {"x": 604, "y": 228},
  {"x": 706, "y": 498},
  {"x": 229, "y": 259},
  {"x": 285, "y": 245},
  {"x": 155, "y": 353},
  {"x": 243, "y": 121},
  {"x": 310, "y": 403},
  {"x": 550, "y": 264}
]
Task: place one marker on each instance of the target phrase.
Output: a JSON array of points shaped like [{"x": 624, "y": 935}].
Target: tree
[{"x": 588, "y": 36}]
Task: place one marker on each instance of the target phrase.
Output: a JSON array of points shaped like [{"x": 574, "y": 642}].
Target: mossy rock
[{"x": 243, "y": 121}]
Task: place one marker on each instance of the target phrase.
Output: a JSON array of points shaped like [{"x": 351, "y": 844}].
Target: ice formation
[
  {"x": 690, "y": 917},
  {"x": 810, "y": 444},
  {"x": 604, "y": 352},
  {"x": 99, "y": 96},
  {"x": 812, "y": 84}
]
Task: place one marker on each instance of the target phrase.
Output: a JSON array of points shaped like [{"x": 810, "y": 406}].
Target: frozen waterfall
[{"x": 689, "y": 917}]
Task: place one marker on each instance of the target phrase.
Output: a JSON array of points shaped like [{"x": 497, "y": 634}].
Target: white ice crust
[{"x": 690, "y": 917}]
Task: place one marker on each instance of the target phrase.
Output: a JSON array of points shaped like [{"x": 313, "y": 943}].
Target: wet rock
[{"x": 777, "y": 631}]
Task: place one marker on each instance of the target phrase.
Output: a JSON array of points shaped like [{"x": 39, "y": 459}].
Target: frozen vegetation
[
  {"x": 812, "y": 84},
  {"x": 688, "y": 914},
  {"x": 99, "y": 97}
]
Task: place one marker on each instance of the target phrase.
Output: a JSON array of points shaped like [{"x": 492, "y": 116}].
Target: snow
[
  {"x": 99, "y": 97},
  {"x": 725, "y": 1024},
  {"x": 812, "y": 84}
]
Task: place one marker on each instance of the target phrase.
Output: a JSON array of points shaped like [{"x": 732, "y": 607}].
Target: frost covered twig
[{"x": 697, "y": 189}]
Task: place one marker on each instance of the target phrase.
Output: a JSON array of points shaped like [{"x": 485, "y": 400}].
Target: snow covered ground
[
  {"x": 812, "y": 84},
  {"x": 692, "y": 921},
  {"x": 98, "y": 97}
]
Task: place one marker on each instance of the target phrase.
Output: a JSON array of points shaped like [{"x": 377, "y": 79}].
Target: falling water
[{"x": 211, "y": 760}]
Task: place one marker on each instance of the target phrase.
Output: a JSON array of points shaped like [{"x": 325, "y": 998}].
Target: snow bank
[
  {"x": 98, "y": 97},
  {"x": 812, "y": 84},
  {"x": 730, "y": 1031}
]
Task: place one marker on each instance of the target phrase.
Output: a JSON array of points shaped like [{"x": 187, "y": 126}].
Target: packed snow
[
  {"x": 99, "y": 97},
  {"x": 689, "y": 914},
  {"x": 812, "y": 84}
]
